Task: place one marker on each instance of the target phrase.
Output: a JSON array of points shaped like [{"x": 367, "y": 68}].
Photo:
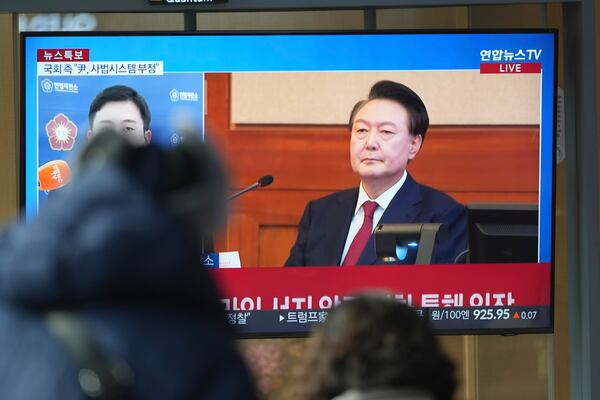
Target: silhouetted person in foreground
[
  {"x": 375, "y": 348},
  {"x": 103, "y": 295}
]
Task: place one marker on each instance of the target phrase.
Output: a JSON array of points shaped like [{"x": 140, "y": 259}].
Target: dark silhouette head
[{"x": 374, "y": 342}]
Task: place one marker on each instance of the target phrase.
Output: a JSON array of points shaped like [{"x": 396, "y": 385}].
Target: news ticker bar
[
  {"x": 433, "y": 286},
  {"x": 274, "y": 322}
]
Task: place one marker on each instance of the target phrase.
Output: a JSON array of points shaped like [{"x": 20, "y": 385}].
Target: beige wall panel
[
  {"x": 508, "y": 16},
  {"x": 109, "y": 21},
  {"x": 297, "y": 20},
  {"x": 458, "y": 97},
  {"x": 423, "y": 18},
  {"x": 512, "y": 367},
  {"x": 139, "y": 22},
  {"x": 8, "y": 116}
]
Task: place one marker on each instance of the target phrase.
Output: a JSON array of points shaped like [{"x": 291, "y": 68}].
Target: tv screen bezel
[{"x": 554, "y": 32}]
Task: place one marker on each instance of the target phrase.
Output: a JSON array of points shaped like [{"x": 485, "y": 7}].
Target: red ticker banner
[{"x": 312, "y": 288}]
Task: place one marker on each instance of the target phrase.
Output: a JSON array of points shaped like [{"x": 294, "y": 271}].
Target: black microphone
[{"x": 261, "y": 182}]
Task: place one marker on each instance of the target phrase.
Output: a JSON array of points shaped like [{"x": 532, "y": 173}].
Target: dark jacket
[
  {"x": 106, "y": 250},
  {"x": 324, "y": 225}
]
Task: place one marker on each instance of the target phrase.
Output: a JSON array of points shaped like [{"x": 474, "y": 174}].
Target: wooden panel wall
[
  {"x": 9, "y": 117},
  {"x": 471, "y": 163}
]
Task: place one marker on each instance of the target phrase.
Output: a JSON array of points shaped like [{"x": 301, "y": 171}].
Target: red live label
[
  {"x": 63, "y": 55},
  {"x": 510, "y": 68}
]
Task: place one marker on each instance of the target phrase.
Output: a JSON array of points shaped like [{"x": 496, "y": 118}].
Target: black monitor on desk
[{"x": 503, "y": 232}]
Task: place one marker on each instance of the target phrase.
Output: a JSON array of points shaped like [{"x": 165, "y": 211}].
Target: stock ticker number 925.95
[{"x": 491, "y": 314}]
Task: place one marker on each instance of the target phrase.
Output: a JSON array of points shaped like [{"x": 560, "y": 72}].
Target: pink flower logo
[{"x": 61, "y": 132}]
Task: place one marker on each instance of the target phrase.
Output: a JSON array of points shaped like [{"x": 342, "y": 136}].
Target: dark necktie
[{"x": 362, "y": 236}]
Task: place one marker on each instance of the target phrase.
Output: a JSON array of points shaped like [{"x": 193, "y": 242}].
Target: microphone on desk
[
  {"x": 53, "y": 175},
  {"x": 261, "y": 182}
]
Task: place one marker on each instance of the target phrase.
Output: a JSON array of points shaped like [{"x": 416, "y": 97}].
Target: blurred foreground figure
[
  {"x": 375, "y": 348},
  {"x": 103, "y": 296}
]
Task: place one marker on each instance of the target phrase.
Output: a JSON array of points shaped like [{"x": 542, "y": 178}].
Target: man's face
[
  {"x": 125, "y": 118},
  {"x": 381, "y": 144}
]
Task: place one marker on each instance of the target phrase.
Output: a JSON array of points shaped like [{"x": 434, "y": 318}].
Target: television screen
[{"x": 280, "y": 103}]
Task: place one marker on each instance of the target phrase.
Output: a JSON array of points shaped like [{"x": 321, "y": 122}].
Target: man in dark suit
[{"x": 387, "y": 131}]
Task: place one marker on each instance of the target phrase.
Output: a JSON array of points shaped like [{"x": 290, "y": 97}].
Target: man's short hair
[
  {"x": 403, "y": 95},
  {"x": 120, "y": 93}
]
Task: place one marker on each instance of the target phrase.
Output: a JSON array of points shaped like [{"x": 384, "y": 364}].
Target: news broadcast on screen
[{"x": 471, "y": 239}]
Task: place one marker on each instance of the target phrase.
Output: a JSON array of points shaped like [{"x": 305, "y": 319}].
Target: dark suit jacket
[{"x": 324, "y": 225}]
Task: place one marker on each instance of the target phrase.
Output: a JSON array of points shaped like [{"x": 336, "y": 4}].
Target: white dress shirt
[{"x": 383, "y": 201}]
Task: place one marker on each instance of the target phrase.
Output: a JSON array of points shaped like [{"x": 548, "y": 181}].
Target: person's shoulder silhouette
[{"x": 117, "y": 250}]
